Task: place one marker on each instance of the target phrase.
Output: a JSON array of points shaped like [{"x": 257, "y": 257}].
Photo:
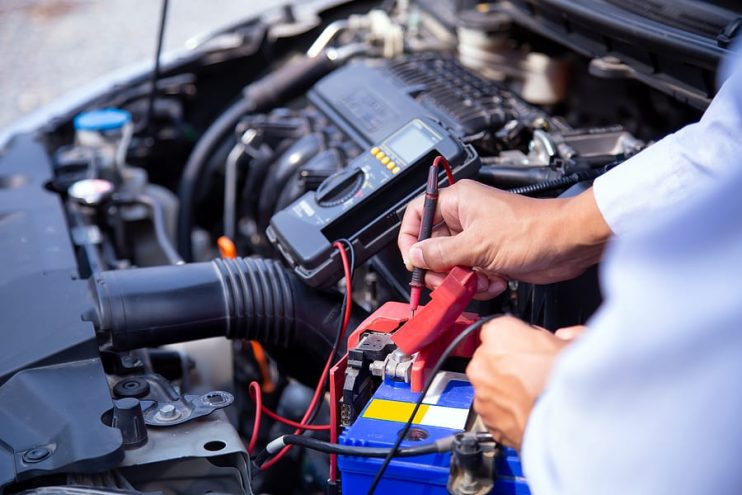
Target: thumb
[{"x": 440, "y": 254}]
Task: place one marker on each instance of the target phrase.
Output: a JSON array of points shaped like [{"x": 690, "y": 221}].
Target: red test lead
[{"x": 426, "y": 228}]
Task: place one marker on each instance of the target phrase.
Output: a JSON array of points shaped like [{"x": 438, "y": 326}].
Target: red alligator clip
[
  {"x": 436, "y": 324},
  {"x": 432, "y": 328}
]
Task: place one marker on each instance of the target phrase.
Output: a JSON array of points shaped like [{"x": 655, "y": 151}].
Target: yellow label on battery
[{"x": 427, "y": 414}]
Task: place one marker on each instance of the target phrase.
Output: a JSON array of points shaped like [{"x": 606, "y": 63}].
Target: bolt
[
  {"x": 168, "y": 412},
  {"x": 376, "y": 368},
  {"x": 36, "y": 455}
]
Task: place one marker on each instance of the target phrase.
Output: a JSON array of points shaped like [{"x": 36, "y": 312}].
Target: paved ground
[{"x": 50, "y": 47}]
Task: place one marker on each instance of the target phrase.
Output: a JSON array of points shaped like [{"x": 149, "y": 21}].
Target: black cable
[
  {"x": 568, "y": 180},
  {"x": 550, "y": 185},
  {"x": 156, "y": 69},
  {"x": 442, "y": 445},
  {"x": 336, "y": 343},
  {"x": 403, "y": 432},
  {"x": 352, "y": 252}
]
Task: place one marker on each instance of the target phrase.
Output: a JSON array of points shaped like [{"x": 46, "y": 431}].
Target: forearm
[
  {"x": 676, "y": 168},
  {"x": 581, "y": 229}
]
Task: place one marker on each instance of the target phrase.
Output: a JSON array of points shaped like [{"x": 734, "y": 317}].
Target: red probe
[{"x": 426, "y": 225}]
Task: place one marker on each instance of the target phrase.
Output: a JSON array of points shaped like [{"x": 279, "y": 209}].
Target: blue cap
[{"x": 104, "y": 119}]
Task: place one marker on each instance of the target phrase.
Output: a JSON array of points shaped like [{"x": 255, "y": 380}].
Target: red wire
[
  {"x": 348, "y": 304},
  {"x": 258, "y": 398},
  {"x": 439, "y": 160},
  {"x": 288, "y": 422},
  {"x": 256, "y": 395},
  {"x": 318, "y": 391}
]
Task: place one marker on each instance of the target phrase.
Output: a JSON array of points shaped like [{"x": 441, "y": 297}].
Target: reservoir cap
[{"x": 104, "y": 119}]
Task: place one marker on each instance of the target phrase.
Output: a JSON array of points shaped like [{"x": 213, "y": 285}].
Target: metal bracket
[{"x": 184, "y": 409}]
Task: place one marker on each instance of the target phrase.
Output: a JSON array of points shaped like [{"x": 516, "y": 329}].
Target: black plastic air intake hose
[{"x": 250, "y": 298}]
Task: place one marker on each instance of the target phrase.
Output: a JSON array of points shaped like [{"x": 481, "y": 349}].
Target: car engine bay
[{"x": 180, "y": 250}]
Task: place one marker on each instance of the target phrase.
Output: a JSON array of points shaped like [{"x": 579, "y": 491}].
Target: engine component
[
  {"x": 364, "y": 202},
  {"x": 102, "y": 412},
  {"x": 371, "y": 101},
  {"x": 258, "y": 96},
  {"x": 128, "y": 417},
  {"x": 247, "y": 298},
  {"x": 108, "y": 131}
]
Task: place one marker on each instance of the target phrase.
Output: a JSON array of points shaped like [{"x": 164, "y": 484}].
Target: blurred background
[{"x": 51, "y": 47}]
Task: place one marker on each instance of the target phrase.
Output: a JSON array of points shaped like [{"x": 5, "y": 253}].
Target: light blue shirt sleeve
[
  {"x": 665, "y": 175},
  {"x": 649, "y": 400}
]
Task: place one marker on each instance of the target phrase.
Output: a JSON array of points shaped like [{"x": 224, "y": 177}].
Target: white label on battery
[
  {"x": 427, "y": 415},
  {"x": 431, "y": 412},
  {"x": 445, "y": 417},
  {"x": 440, "y": 382}
]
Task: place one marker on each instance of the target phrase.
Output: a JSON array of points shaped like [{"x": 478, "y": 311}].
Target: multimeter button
[
  {"x": 385, "y": 160},
  {"x": 340, "y": 187},
  {"x": 375, "y": 150},
  {"x": 380, "y": 155},
  {"x": 391, "y": 165},
  {"x": 396, "y": 170}
]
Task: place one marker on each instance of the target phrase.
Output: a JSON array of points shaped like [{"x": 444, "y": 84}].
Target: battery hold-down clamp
[{"x": 391, "y": 345}]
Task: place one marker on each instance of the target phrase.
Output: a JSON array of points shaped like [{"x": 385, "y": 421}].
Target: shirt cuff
[{"x": 645, "y": 182}]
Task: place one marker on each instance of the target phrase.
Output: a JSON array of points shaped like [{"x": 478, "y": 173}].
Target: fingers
[
  {"x": 495, "y": 287},
  {"x": 410, "y": 227},
  {"x": 487, "y": 288},
  {"x": 570, "y": 333},
  {"x": 446, "y": 213},
  {"x": 501, "y": 329},
  {"x": 440, "y": 254}
]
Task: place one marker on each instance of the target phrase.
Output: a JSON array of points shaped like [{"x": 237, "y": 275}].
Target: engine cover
[{"x": 371, "y": 100}]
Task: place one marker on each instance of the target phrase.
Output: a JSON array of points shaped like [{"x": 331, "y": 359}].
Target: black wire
[
  {"x": 403, "y": 432},
  {"x": 442, "y": 445},
  {"x": 352, "y": 252},
  {"x": 336, "y": 344},
  {"x": 156, "y": 69},
  {"x": 568, "y": 180}
]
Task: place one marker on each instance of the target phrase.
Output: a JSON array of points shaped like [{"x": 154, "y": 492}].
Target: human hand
[
  {"x": 504, "y": 236},
  {"x": 570, "y": 333},
  {"x": 508, "y": 372}
]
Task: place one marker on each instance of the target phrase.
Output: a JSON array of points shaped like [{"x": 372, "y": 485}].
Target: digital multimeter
[{"x": 364, "y": 202}]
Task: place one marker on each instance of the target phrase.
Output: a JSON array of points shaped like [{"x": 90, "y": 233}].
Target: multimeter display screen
[{"x": 411, "y": 142}]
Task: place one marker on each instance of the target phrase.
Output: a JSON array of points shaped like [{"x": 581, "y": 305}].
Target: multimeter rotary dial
[{"x": 340, "y": 187}]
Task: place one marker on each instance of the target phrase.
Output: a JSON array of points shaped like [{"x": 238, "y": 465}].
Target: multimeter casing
[{"x": 364, "y": 203}]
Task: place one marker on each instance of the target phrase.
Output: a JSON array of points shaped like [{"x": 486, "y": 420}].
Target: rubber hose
[
  {"x": 206, "y": 146},
  {"x": 250, "y": 298}
]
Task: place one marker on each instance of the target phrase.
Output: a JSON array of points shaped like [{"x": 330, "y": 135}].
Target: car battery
[{"x": 445, "y": 411}]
